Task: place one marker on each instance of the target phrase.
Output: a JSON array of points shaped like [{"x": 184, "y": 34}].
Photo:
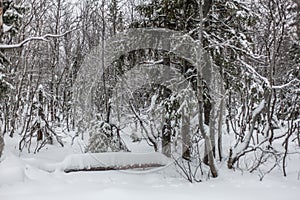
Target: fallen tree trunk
[
  {"x": 111, "y": 161},
  {"x": 135, "y": 166}
]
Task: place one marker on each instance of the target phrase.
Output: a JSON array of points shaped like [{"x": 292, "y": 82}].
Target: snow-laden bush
[{"x": 104, "y": 137}]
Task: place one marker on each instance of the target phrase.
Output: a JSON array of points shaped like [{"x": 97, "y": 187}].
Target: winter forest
[{"x": 131, "y": 99}]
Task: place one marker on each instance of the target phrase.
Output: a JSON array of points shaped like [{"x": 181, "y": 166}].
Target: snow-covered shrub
[{"x": 104, "y": 137}]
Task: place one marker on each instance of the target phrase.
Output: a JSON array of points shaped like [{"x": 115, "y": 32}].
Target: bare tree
[{"x": 200, "y": 64}]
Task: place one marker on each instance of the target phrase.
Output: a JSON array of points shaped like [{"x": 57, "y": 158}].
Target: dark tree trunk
[
  {"x": 186, "y": 138},
  {"x": 40, "y": 113},
  {"x": 166, "y": 138}
]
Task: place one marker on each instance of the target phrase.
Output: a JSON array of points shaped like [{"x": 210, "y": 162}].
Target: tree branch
[{"x": 38, "y": 38}]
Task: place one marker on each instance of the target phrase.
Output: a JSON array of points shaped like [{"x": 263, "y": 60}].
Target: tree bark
[
  {"x": 103, "y": 35},
  {"x": 1, "y": 32},
  {"x": 212, "y": 131},
  {"x": 166, "y": 138},
  {"x": 220, "y": 123},
  {"x": 200, "y": 94},
  {"x": 185, "y": 133},
  {"x": 40, "y": 114}
]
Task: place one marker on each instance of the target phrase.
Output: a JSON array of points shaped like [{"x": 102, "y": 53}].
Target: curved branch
[{"x": 37, "y": 38}]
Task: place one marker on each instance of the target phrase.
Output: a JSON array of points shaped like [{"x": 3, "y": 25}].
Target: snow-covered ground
[{"x": 23, "y": 177}]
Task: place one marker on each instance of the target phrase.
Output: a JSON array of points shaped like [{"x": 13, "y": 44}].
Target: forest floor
[{"x": 23, "y": 178}]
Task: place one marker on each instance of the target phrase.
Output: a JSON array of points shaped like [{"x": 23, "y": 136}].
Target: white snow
[
  {"x": 153, "y": 101},
  {"x": 259, "y": 108},
  {"x": 159, "y": 185},
  {"x": 11, "y": 170},
  {"x": 6, "y": 28},
  {"x": 25, "y": 176}
]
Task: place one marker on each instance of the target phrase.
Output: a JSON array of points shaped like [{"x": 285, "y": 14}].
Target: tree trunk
[
  {"x": 185, "y": 133},
  {"x": 103, "y": 35},
  {"x": 40, "y": 114},
  {"x": 235, "y": 154},
  {"x": 200, "y": 94},
  {"x": 166, "y": 138},
  {"x": 220, "y": 123},
  {"x": 212, "y": 133},
  {"x": 212, "y": 129},
  {"x": 128, "y": 167},
  {"x": 1, "y": 32}
]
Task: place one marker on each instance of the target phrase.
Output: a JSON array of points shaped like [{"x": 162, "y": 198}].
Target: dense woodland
[{"x": 252, "y": 45}]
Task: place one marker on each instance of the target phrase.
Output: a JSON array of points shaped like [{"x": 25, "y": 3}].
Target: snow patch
[{"x": 12, "y": 170}]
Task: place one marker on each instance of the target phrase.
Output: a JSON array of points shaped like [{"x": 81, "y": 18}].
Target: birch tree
[{"x": 200, "y": 64}]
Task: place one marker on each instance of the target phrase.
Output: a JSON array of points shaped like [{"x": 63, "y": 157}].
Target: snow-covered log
[{"x": 112, "y": 161}]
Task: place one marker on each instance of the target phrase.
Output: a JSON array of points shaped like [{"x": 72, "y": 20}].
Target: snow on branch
[
  {"x": 266, "y": 81},
  {"x": 242, "y": 148},
  {"x": 286, "y": 85},
  {"x": 39, "y": 38},
  {"x": 254, "y": 72}
]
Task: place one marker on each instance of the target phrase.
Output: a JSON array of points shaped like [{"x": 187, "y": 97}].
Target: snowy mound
[
  {"x": 11, "y": 170},
  {"x": 112, "y": 161}
]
